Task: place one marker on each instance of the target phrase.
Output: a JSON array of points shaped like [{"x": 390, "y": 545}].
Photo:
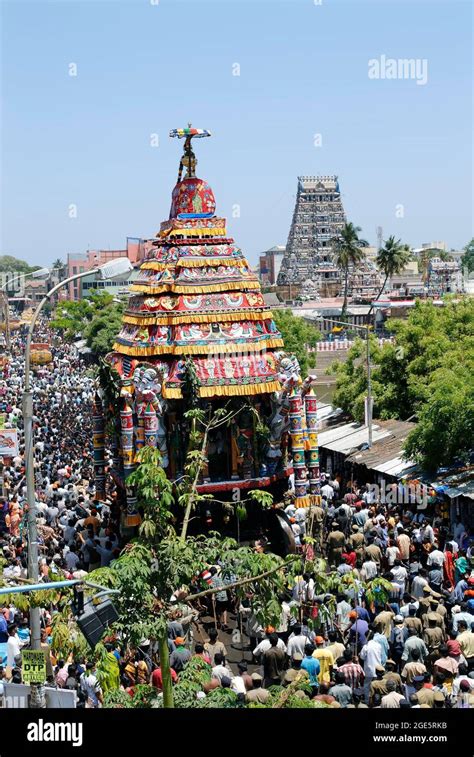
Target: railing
[{"x": 343, "y": 344}]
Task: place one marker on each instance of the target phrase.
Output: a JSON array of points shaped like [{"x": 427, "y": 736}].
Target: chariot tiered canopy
[
  {"x": 197, "y": 300},
  {"x": 198, "y": 296}
]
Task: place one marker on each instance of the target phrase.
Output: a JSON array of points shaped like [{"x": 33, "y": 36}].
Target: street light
[
  {"x": 113, "y": 269},
  {"x": 369, "y": 380},
  {"x": 40, "y": 273}
]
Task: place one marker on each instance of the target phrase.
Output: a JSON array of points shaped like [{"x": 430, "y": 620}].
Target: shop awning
[{"x": 462, "y": 490}]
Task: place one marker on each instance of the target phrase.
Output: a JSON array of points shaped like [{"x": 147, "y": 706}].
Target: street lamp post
[
  {"x": 113, "y": 269},
  {"x": 40, "y": 273},
  {"x": 369, "y": 377}
]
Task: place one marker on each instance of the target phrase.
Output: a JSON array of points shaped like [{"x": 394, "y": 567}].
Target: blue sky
[{"x": 144, "y": 68}]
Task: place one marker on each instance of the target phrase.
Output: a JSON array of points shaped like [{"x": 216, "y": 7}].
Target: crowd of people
[
  {"x": 76, "y": 532},
  {"x": 404, "y": 642},
  {"x": 388, "y": 622}
]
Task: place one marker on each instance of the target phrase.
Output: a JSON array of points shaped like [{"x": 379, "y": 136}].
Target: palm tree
[
  {"x": 347, "y": 248},
  {"x": 391, "y": 259},
  {"x": 59, "y": 266}
]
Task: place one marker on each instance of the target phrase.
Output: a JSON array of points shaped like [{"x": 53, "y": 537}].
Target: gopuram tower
[{"x": 317, "y": 218}]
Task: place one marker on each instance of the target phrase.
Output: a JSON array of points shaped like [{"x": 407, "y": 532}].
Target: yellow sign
[{"x": 33, "y": 666}]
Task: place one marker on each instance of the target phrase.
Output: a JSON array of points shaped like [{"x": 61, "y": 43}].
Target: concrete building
[
  {"x": 434, "y": 246},
  {"x": 408, "y": 283},
  {"x": 115, "y": 287},
  {"x": 270, "y": 264},
  {"x": 136, "y": 251}
]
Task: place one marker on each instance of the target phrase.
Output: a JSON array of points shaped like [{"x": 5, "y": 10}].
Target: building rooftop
[
  {"x": 277, "y": 248},
  {"x": 386, "y": 453},
  {"x": 272, "y": 300}
]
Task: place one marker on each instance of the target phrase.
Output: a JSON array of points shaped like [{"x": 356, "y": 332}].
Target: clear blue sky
[{"x": 144, "y": 68}]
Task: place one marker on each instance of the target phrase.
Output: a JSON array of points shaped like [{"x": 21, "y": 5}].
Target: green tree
[
  {"x": 299, "y": 336},
  {"x": 10, "y": 264},
  {"x": 159, "y": 561},
  {"x": 467, "y": 259},
  {"x": 155, "y": 494},
  {"x": 59, "y": 266},
  {"x": 102, "y": 330},
  {"x": 445, "y": 427},
  {"x": 391, "y": 259},
  {"x": 71, "y": 317},
  {"x": 425, "y": 374},
  {"x": 98, "y": 318},
  {"x": 348, "y": 253},
  {"x": 351, "y": 378}
]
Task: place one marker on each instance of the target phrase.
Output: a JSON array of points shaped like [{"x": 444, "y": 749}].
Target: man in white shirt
[
  {"x": 238, "y": 683},
  {"x": 328, "y": 492},
  {"x": 220, "y": 669},
  {"x": 90, "y": 686},
  {"x": 435, "y": 558},
  {"x": 296, "y": 643},
  {"x": 265, "y": 645},
  {"x": 282, "y": 628},
  {"x": 400, "y": 575},
  {"x": 426, "y": 533},
  {"x": 463, "y": 615},
  {"x": 369, "y": 495},
  {"x": 393, "y": 553},
  {"x": 368, "y": 570},
  {"x": 371, "y": 654},
  {"x": 343, "y": 609},
  {"x": 13, "y": 646},
  {"x": 417, "y": 586},
  {"x": 405, "y": 609}
]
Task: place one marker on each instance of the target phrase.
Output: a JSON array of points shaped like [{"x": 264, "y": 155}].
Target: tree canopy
[
  {"x": 10, "y": 264},
  {"x": 299, "y": 336},
  {"x": 468, "y": 257},
  {"x": 426, "y": 373},
  {"x": 97, "y": 319}
]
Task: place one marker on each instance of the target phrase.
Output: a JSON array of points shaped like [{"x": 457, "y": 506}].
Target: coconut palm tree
[
  {"x": 347, "y": 249},
  {"x": 391, "y": 259},
  {"x": 59, "y": 266}
]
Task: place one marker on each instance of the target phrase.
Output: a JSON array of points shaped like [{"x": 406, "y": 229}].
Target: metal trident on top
[{"x": 188, "y": 159}]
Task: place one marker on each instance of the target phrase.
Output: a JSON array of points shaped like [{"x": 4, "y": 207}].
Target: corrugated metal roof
[
  {"x": 324, "y": 410},
  {"x": 395, "y": 467},
  {"x": 272, "y": 300},
  {"x": 338, "y": 432},
  {"x": 390, "y": 449},
  {"x": 345, "y": 438}
]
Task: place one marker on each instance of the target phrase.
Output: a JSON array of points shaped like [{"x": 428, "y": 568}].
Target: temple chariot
[{"x": 197, "y": 332}]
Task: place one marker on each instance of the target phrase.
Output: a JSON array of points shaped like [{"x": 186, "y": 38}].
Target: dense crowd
[
  {"x": 76, "y": 532},
  {"x": 405, "y": 642}
]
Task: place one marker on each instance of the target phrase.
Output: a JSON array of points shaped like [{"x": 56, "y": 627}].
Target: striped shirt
[{"x": 353, "y": 674}]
